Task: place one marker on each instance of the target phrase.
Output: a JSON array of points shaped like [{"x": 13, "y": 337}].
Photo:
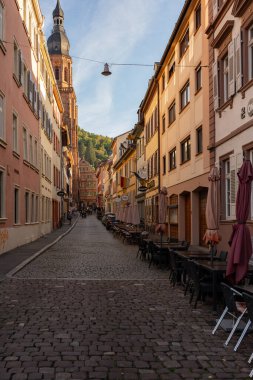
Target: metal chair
[
  {"x": 248, "y": 299},
  {"x": 233, "y": 307}
]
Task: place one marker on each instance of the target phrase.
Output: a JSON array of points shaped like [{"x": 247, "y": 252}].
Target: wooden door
[{"x": 202, "y": 216}]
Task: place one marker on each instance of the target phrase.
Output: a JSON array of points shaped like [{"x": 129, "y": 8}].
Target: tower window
[{"x": 66, "y": 74}]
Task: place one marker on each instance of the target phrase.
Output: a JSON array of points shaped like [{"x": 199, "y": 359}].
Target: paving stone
[{"x": 89, "y": 309}]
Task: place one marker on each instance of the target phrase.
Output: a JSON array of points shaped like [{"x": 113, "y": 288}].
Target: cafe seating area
[{"x": 200, "y": 274}]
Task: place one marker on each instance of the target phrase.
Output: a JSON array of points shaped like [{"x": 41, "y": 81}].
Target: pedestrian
[{"x": 69, "y": 217}]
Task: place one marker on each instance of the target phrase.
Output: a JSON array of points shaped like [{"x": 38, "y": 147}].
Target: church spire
[{"x": 58, "y": 16}]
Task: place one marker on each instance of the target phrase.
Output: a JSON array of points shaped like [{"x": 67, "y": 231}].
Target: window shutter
[
  {"x": 30, "y": 89},
  {"x": 215, "y": 86},
  {"x": 35, "y": 98},
  {"x": 215, "y": 8},
  {"x": 238, "y": 62},
  {"x": 20, "y": 68},
  {"x": 231, "y": 70}
]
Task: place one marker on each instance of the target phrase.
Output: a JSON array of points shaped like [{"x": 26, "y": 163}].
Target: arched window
[
  {"x": 57, "y": 73},
  {"x": 66, "y": 74}
]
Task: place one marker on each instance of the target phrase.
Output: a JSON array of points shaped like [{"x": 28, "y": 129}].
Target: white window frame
[
  {"x": 25, "y": 144},
  {"x": 2, "y": 192},
  {"x": 15, "y": 134},
  {"x": 250, "y": 52},
  {"x": 185, "y": 96},
  {"x": 30, "y": 149}
]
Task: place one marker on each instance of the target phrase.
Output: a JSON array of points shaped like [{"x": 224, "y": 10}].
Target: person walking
[{"x": 69, "y": 217}]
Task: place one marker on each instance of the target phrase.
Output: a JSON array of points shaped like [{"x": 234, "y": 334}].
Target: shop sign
[
  {"x": 124, "y": 197},
  {"x": 118, "y": 199}
]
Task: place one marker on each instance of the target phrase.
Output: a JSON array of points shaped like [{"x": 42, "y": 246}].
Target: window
[
  {"x": 31, "y": 149},
  {"x": 164, "y": 165},
  {"x": 171, "y": 68},
  {"x": 163, "y": 82},
  {"x": 172, "y": 159},
  {"x": 163, "y": 124},
  {"x": 2, "y": 129},
  {"x": 27, "y": 207},
  {"x": 227, "y": 187},
  {"x": 198, "y": 78},
  {"x": 25, "y": 152},
  {"x": 2, "y": 193},
  {"x": 197, "y": 17},
  {"x": 15, "y": 132},
  {"x": 37, "y": 209},
  {"x": 57, "y": 73},
  {"x": 66, "y": 74},
  {"x": 36, "y": 153},
  {"x": 172, "y": 113},
  {"x": 250, "y": 51},
  {"x": 33, "y": 209},
  {"x": 1, "y": 21},
  {"x": 186, "y": 150},
  {"x": 185, "y": 96},
  {"x": 16, "y": 205},
  {"x": 16, "y": 60},
  {"x": 184, "y": 43},
  {"x": 225, "y": 78},
  {"x": 199, "y": 142}
]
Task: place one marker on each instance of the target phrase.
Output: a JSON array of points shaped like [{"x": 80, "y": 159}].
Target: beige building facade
[
  {"x": 182, "y": 77},
  {"x": 230, "y": 34}
]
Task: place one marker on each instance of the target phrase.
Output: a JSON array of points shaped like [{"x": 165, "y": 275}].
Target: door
[{"x": 202, "y": 216}]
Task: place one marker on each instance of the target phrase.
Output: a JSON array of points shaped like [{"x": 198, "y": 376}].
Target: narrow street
[{"x": 89, "y": 309}]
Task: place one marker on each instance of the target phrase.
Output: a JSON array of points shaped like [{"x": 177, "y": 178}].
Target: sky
[{"x": 114, "y": 31}]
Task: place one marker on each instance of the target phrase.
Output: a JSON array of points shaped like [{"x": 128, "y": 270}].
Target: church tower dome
[{"x": 58, "y": 42}]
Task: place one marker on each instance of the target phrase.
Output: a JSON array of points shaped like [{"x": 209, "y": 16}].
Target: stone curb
[{"x": 35, "y": 255}]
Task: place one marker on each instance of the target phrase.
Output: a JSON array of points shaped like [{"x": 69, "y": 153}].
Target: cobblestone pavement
[{"x": 64, "y": 317}]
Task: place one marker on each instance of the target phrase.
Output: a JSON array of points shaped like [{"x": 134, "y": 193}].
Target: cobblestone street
[{"x": 89, "y": 309}]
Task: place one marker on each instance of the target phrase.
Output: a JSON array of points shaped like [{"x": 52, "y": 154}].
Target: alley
[{"x": 89, "y": 309}]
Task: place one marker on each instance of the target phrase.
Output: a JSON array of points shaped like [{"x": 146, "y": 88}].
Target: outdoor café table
[
  {"x": 193, "y": 254},
  {"x": 216, "y": 269}
]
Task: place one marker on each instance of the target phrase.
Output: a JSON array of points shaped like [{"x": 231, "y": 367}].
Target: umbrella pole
[{"x": 212, "y": 253}]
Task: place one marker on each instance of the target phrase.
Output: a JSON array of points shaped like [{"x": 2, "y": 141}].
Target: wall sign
[{"x": 250, "y": 107}]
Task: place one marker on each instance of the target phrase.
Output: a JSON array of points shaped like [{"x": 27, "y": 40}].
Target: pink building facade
[{"x": 19, "y": 126}]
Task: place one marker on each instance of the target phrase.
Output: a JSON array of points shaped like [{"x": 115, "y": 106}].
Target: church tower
[{"x": 58, "y": 48}]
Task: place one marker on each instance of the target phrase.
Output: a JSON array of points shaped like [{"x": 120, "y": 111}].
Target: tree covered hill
[{"x": 93, "y": 148}]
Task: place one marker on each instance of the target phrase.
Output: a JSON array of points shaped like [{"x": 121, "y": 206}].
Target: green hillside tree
[{"x": 90, "y": 155}]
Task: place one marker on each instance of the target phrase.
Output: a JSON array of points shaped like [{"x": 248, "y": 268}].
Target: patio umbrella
[
  {"x": 212, "y": 235},
  {"x": 162, "y": 212},
  {"x": 240, "y": 249}
]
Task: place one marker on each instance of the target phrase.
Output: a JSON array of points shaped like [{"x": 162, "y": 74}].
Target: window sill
[
  {"x": 228, "y": 103},
  {"x": 16, "y": 224},
  {"x": 172, "y": 169},
  {"x": 16, "y": 80},
  {"x": 25, "y": 162},
  {"x": 184, "y": 108},
  {"x": 15, "y": 154},
  {"x": 182, "y": 56},
  {"x": 3, "y": 143},
  {"x": 185, "y": 162},
  {"x": 2, "y": 47},
  {"x": 196, "y": 93},
  {"x": 198, "y": 154},
  {"x": 170, "y": 124},
  {"x": 197, "y": 29},
  {"x": 246, "y": 87},
  {"x": 3, "y": 220}
]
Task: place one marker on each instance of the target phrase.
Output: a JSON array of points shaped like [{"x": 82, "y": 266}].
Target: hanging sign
[
  {"x": 250, "y": 107},
  {"x": 124, "y": 197},
  {"x": 118, "y": 199}
]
